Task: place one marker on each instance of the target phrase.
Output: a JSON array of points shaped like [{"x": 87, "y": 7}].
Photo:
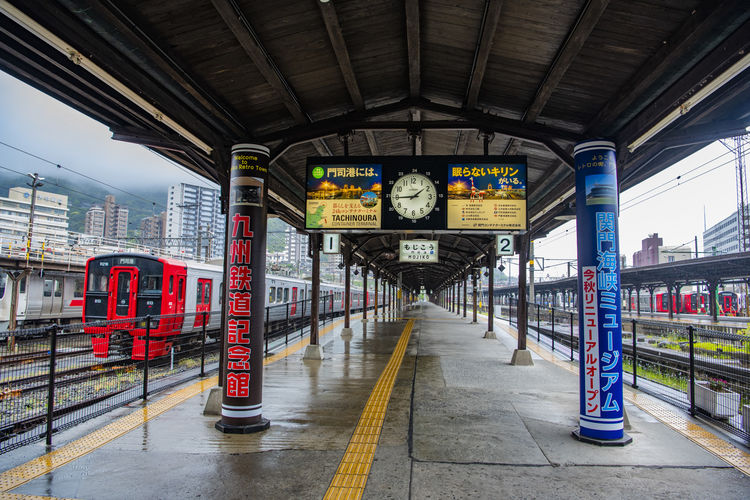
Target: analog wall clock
[{"x": 413, "y": 196}]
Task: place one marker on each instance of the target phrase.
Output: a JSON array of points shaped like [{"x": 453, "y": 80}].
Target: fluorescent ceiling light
[
  {"x": 79, "y": 59},
  {"x": 693, "y": 101}
]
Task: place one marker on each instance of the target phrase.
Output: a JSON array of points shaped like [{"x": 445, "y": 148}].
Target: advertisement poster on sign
[
  {"x": 487, "y": 196},
  {"x": 345, "y": 196}
]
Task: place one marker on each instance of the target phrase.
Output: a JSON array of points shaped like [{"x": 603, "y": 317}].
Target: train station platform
[{"x": 414, "y": 405}]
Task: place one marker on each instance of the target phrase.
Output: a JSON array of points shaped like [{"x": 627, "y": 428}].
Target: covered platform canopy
[{"x": 189, "y": 78}]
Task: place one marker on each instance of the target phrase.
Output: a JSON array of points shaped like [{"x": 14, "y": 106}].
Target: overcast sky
[
  {"x": 32, "y": 121},
  {"x": 672, "y": 203}
]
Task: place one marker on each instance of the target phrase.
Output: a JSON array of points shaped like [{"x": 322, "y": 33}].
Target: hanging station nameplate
[{"x": 423, "y": 251}]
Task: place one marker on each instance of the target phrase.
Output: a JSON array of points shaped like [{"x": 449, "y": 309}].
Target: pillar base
[
  {"x": 489, "y": 335},
  {"x": 313, "y": 351},
  {"x": 624, "y": 440},
  {"x": 213, "y": 404},
  {"x": 347, "y": 333},
  {"x": 243, "y": 429},
  {"x": 521, "y": 357},
  {"x": 364, "y": 320}
]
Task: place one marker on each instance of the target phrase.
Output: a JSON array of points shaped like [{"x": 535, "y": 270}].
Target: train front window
[
  {"x": 98, "y": 280},
  {"x": 123, "y": 284}
]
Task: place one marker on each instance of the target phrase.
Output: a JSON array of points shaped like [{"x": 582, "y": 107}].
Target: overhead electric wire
[
  {"x": 78, "y": 173},
  {"x": 679, "y": 176},
  {"x": 47, "y": 181}
]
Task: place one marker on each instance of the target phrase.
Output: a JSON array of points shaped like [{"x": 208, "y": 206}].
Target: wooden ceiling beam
[
  {"x": 567, "y": 53},
  {"x": 121, "y": 30},
  {"x": 372, "y": 142},
  {"x": 490, "y": 20},
  {"x": 331, "y": 20},
  {"x": 462, "y": 140},
  {"x": 250, "y": 42},
  {"x": 413, "y": 47},
  {"x": 677, "y": 55}
]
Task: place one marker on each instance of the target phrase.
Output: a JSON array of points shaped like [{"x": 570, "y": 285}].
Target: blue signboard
[{"x": 599, "y": 315}]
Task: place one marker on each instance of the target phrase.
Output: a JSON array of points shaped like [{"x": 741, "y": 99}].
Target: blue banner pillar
[{"x": 601, "y": 418}]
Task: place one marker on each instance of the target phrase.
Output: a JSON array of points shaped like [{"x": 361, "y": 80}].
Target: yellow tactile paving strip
[
  {"x": 45, "y": 464},
  {"x": 700, "y": 436},
  {"x": 351, "y": 476}
]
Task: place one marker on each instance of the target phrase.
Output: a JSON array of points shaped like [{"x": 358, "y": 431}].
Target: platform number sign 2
[{"x": 505, "y": 244}]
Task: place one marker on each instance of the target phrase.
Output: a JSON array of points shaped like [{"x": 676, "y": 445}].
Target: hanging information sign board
[
  {"x": 416, "y": 193},
  {"x": 423, "y": 251}
]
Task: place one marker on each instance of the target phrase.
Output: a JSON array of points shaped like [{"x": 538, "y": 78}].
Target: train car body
[
  {"x": 728, "y": 303},
  {"x": 694, "y": 303},
  {"x": 122, "y": 289},
  {"x": 45, "y": 298}
]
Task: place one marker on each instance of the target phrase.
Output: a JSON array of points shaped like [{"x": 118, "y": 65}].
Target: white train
[{"x": 42, "y": 299}]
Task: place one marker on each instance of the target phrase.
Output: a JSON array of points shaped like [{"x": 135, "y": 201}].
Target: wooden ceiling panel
[
  {"x": 627, "y": 35},
  {"x": 524, "y": 50},
  {"x": 310, "y": 68},
  {"x": 197, "y": 34},
  {"x": 449, "y": 33},
  {"x": 374, "y": 32}
]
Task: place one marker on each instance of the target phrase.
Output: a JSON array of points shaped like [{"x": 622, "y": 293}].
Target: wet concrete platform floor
[{"x": 461, "y": 423}]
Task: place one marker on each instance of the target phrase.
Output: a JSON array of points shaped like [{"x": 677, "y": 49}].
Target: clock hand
[{"x": 415, "y": 194}]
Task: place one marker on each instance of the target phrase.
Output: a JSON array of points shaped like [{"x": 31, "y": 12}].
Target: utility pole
[
  {"x": 200, "y": 244},
  {"x": 35, "y": 183}
]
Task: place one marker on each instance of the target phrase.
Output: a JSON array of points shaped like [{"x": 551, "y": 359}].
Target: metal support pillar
[
  {"x": 466, "y": 284},
  {"x": 347, "y": 290},
  {"x": 491, "y": 263},
  {"x": 474, "y": 294},
  {"x": 365, "y": 298},
  {"x": 376, "y": 276},
  {"x": 521, "y": 356}
]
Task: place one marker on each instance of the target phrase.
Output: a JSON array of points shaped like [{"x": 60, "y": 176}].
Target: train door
[
  {"x": 180, "y": 307},
  {"x": 202, "y": 301},
  {"x": 293, "y": 305},
  {"x": 122, "y": 293}
]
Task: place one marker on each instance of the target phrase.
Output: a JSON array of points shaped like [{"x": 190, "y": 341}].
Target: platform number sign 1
[
  {"x": 505, "y": 244},
  {"x": 332, "y": 243}
]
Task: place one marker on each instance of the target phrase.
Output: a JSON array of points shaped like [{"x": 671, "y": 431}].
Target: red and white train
[{"x": 122, "y": 288}]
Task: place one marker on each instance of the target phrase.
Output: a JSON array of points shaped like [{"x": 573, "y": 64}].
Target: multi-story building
[
  {"x": 724, "y": 237},
  {"x": 195, "y": 224},
  {"x": 153, "y": 230},
  {"x": 296, "y": 248},
  {"x": 94, "y": 223},
  {"x": 115, "y": 219},
  {"x": 653, "y": 252},
  {"x": 50, "y": 224}
]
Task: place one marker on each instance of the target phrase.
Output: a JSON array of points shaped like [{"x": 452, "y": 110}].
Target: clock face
[{"x": 413, "y": 196}]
